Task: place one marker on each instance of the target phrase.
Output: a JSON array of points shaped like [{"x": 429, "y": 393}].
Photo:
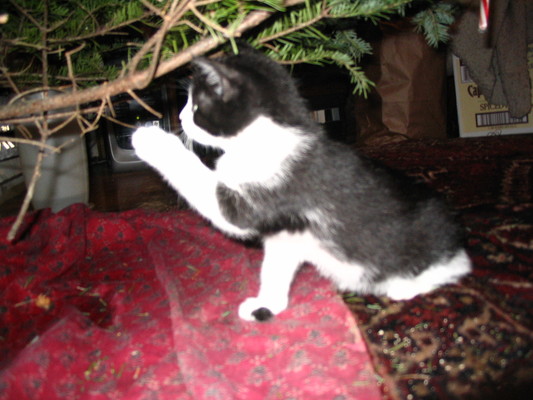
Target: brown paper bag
[{"x": 409, "y": 98}]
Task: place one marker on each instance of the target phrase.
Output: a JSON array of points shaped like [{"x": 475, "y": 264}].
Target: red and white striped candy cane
[{"x": 484, "y": 9}]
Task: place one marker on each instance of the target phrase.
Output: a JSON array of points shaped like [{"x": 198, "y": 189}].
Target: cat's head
[{"x": 230, "y": 93}]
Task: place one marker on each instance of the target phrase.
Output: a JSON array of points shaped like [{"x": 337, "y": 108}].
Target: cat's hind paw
[{"x": 255, "y": 309}]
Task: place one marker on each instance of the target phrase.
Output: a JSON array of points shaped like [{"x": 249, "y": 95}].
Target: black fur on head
[{"x": 230, "y": 92}]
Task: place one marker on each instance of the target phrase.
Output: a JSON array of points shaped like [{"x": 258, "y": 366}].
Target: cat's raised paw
[
  {"x": 145, "y": 135},
  {"x": 152, "y": 144}
]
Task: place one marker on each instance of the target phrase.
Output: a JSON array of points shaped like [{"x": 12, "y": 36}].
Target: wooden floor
[
  {"x": 116, "y": 191},
  {"x": 119, "y": 191}
]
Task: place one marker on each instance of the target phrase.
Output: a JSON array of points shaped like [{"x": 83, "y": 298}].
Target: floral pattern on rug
[{"x": 473, "y": 340}]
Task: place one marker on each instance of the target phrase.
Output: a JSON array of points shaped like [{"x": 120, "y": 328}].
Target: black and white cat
[{"x": 308, "y": 198}]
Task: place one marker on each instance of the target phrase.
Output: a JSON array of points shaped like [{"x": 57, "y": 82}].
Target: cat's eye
[{"x": 194, "y": 107}]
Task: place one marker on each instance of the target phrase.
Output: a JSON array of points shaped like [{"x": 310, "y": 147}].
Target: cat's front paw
[
  {"x": 256, "y": 309},
  {"x": 152, "y": 143}
]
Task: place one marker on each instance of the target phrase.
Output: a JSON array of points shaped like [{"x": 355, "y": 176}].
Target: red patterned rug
[
  {"x": 142, "y": 305},
  {"x": 475, "y": 340}
]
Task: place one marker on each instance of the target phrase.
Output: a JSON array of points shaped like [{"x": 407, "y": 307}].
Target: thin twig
[
  {"x": 191, "y": 25},
  {"x": 56, "y": 77},
  {"x": 27, "y": 15},
  {"x": 93, "y": 125},
  {"x": 44, "y": 40},
  {"x": 30, "y": 142},
  {"x": 18, "y": 42},
  {"x": 146, "y": 106},
  {"x": 42, "y": 128},
  {"x": 72, "y": 77},
  {"x": 29, "y": 194},
  {"x": 136, "y": 59},
  {"x": 153, "y": 8},
  {"x": 118, "y": 122},
  {"x": 145, "y": 49},
  {"x": 48, "y": 132},
  {"x": 155, "y": 43},
  {"x": 89, "y": 15},
  {"x": 210, "y": 23},
  {"x": 70, "y": 68},
  {"x": 10, "y": 81},
  {"x": 59, "y": 115}
]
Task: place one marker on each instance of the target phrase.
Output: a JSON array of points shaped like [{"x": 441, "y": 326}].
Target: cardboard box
[{"x": 479, "y": 118}]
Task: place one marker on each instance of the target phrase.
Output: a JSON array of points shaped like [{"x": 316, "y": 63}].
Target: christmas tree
[
  {"x": 63, "y": 42},
  {"x": 46, "y": 44}
]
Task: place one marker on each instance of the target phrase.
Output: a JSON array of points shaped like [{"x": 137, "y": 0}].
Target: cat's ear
[{"x": 215, "y": 76}]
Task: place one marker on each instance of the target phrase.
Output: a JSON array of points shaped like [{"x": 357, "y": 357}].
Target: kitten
[{"x": 308, "y": 198}]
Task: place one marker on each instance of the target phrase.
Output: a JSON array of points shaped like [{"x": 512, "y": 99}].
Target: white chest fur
[{"x": 260, "y": 154}]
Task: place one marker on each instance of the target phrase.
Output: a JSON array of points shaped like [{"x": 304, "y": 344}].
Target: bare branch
[
  {"x": 208, "y": 22},
  {"x": 28, "y": 15},
  {"x": 58, "y": 115},
  {"x": 155, "y": 43},
  {"x": 146, "y": 106},
  {"x": 10, "y": 81},
  {"x": 133, "y": 81},
  {"x": 70, "y": 68},
  {"x": 29, "y": 194},
  {"x": 72, "y": 77},
  {"x": 44, "y": 51},
  {"x": 153, "y": 8},
  {"x": 30, "y": 142},
  {"x": 118, "y": 122},
  {"x": 17, "y": 42}
]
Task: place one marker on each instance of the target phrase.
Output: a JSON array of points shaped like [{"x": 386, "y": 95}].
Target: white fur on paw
[
  {"x": 151, "y": 143},
  {"x": 404, "y": 292},
  {"x": 251, "y": 305},
  {"x": 437, "y": 275},
  {"x": 399, "y": 288}
]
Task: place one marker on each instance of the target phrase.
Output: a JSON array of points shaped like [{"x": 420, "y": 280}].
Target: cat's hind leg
[
  {"x": 282, "y": 259},
  {"x": 439, "y": 274}
]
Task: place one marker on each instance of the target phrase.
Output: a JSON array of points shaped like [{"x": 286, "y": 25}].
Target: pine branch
[
  {"x": 102, "y": 31},
  {"x": 288, "y": 38},
  {"x": 433, "y": 22},
  {"x": 302, "y": 31},
  {"x": 133, "y": 81},
  {"x": 296, "y": 21},
  {"x": 372, "y": 10}
]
